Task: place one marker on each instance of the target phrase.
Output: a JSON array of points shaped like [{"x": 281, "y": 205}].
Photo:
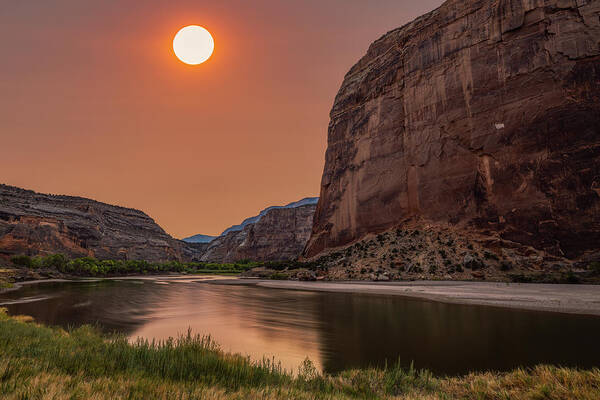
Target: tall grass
[{"x": 50, "y": 363}]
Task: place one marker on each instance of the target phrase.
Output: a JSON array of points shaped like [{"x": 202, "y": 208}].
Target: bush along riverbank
[
  {"x": 58, "y": 265},
  {"x": 40, "y": 362},
  {"x": 22, "y": 267}
]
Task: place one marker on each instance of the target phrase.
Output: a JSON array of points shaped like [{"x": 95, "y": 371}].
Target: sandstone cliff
[
  {"x": 251, "y": 220},
  {"x": 280, "y": 234},
  {"x": 32, "y": 223},
  {"x": 482, "y": 117}
]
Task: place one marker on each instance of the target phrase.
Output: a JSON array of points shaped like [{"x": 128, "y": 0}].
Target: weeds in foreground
[{"x": 50, "y": 363}]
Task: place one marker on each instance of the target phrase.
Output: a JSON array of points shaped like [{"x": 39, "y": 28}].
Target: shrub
[
  {"x": 594, "y": 267},
  {"x": 22, "y": 261},
  {"x": 572, "y": 278},
  {"x": 58, "y": 261},
  {"x": 505, "y": 266},
  {"x": 473, "y": 262},
  {"x": 520, "y": 278}
]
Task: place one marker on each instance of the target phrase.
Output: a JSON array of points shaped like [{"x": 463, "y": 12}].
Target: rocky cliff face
[
  {"x": 33, "y": 223},
  {"x": 252, "y": 220},
  {"x": 280, "y": 234},
  {"x": 484, "y": 116}
]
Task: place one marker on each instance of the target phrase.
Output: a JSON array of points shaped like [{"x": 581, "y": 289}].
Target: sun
[{"x": 193, "y": 45}]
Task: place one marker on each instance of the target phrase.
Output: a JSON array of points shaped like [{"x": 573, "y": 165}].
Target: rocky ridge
[
  {"x": 251, "y": 220},
  {"x": 479, "y": 121},
  {"x": 36, "y": 224},
  {"x": 279, "y": 234}
]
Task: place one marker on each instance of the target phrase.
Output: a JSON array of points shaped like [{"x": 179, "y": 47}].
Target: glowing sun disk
[{"x": 193, "y": 45}]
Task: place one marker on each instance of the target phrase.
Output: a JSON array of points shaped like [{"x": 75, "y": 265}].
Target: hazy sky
[{"x": 94, "y": 103}]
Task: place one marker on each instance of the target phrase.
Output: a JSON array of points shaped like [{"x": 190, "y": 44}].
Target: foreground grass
[{"x": 38, "y": 362}]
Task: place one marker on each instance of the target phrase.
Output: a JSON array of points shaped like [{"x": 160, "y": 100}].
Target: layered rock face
[
  {"x": 32, "y": 223},
  {"x": 483, "y": 115},
  {"x": 280, "y": 234}
]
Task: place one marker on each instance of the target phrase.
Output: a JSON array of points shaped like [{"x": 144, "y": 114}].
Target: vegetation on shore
[
  {"x": 278, "y": 270},
  {"x": 87, "y": 266},
  {"x": 40, "y": 362}
]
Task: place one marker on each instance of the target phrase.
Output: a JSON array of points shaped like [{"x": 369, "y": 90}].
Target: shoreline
[
  {"x": 561, "y": 298},
  {"x": 578, "y": 299},
  {"x": 204, "y": 277}
]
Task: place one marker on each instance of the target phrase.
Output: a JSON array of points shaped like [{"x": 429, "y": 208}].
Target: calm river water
[{"x": 336, "y": 330}]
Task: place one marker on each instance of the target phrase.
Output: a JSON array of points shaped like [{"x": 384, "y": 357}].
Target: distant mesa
[{"x": 199, "y": 239}]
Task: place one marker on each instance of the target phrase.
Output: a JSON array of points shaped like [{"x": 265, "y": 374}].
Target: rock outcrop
[
  {"x": 483, "y": 116},
  {"x": 32, "y": 223},
  {"x": 279, "y": 234},
  {"x": 251, "y": 220}
]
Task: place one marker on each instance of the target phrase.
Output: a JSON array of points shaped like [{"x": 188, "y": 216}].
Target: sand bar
[{"x": 575, "y": 299}]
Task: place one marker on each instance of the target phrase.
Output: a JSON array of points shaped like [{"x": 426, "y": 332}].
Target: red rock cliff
[{"x": 484, "y": 114}]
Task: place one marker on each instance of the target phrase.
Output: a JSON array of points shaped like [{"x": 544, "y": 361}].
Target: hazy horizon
[{"x": 96, "y": 105}]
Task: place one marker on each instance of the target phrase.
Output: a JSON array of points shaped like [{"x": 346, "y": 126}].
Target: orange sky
[{"x": 94, "y": 103}]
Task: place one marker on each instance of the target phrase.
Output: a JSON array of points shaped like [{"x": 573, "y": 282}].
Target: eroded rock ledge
[{"x": 33, "y": 223}]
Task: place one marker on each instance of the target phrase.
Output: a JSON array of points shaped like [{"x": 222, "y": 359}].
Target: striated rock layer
[
  {"x": 483, "y": 114},
  {"x": 32, "y": 223},
  {"x": 280, "y": 234}
]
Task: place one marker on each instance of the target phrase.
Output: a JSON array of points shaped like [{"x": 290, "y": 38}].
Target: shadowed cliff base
[{"x": 421, "y": 250}]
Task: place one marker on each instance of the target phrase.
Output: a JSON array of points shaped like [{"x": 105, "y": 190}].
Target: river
[{"x": 336, "y": 331}]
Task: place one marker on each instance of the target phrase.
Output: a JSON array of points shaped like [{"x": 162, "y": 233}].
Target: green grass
[{"x": 38, "y": 362}]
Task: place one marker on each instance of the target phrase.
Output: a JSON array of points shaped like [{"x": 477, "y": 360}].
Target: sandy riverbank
[{"x": 575, "y": 299}]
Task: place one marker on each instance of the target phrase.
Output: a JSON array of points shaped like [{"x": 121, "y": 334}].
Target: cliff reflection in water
[{"x": 336, "y": 330}]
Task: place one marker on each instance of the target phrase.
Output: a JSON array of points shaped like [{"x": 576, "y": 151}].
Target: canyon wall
[
  {"x": 280, "y": 234},
  {"x": 32, "y": 223},
  {"x": 483, "y": 115}
]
